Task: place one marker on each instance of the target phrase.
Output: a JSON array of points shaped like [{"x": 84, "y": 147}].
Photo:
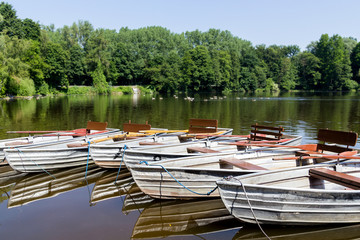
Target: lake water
[{"x": 36, "y": 206}]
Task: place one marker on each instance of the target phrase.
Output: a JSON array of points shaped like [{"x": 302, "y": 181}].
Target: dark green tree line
[{"x": 42, "y": 59}]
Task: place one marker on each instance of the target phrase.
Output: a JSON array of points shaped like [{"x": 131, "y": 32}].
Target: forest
[{"x": 37, "y": 59}]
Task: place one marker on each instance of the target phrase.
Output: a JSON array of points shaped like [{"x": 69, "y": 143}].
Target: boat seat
[
  {"x": 203, "y": 125},
  {"x": 100, "y": 126},
  {"x": 229, "y": 163},
  {"x": 117, "y": 139},
  {"x": 201, "y": 149},
  {"x": 16, "y": 143},
  {"x": 73, "y": 145},
  {"x": 135, "y": 127},
  {"x": 335, "y": 177},
  {"x": 326, "y": 136},
  {"x": 259, "y": 132},
  {"x": 145, "y": 143}
]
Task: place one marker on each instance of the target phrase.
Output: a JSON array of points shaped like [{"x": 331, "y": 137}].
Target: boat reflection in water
[
  {"x": 39, "y": 186},
  {"x": 9, "y": 175},
  {"x": 8, "y": 178},
  {"x": 136, "y": 200},
  {"x": 329, "y": 232},
  {"x": 178, "y": 217},
  {"x": 106, "y": 188}
]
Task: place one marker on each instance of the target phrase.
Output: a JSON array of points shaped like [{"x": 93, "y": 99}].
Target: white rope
[{"x": 252, "y": 211}]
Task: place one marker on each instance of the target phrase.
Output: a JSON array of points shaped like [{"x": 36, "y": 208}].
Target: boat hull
[{"x": 306, "y": 201}]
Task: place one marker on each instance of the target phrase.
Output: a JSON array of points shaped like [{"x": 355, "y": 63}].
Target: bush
[
  {"x": 350, "y": 84},
  {"x": 81, "y": 90},
  {"x": 99, "y": 80},
  {"x": 271, "y": 86},
  {"x": 145, "y": 90},
  {"x": 21, "y": 86},
  {"x": 123, "y": 89},
  {"x": 43, "y": 89}
]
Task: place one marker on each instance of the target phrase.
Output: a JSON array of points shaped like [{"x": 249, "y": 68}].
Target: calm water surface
[{"x": 36, "y": 206}]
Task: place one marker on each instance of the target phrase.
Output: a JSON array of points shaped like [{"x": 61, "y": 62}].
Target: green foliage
[
  {"x": 308, "y": 70},
  {"x": 55, "y": 59},
  {"x": 145, "y": 90},
  {"x": 355, "y": 62},
  {"x": 271, "y": 86},
  {"x": 21, "y": 87},
  {"x": 43, "y": 89},
  {"x": 81, "y": 90},
  {"x": 122, "y": 89},
  {"x": 51, "y": 59},
  {"x": 350, "y": 85},
  {"x": 335, "y": 62},
  {"x": 99, "y": 80}
]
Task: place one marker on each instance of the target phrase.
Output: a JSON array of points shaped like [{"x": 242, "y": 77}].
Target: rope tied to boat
[
  {"x": 248, "y": 201},
  {"x": 122, "y": 159},
  {"x": 35, "y": 163},
  {"x": 88, "y": 157},
  {"x": 204, "y": 194}
]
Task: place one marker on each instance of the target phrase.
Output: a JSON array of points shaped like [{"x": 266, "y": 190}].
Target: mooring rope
[
  {"x": 251, "y": 209},
  {"x": 88, "y": 189},
  {"x": 34, "y": 162},
  {"x": 122, "y": 159},
  {"x": 88, "y": 157},
  {"x": 206, "y": 194}
]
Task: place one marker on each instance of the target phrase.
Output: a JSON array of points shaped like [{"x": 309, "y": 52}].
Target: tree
[
  {"x": 197, "y": 68},
  {"x": 30, "y": 29},
  {"x": 55, "y": 58},
  {"x": 355, "y": 62},
  {"x": 10, "y": 24},
  {"x": 308, "y": 66},
  {"x": 335, "y": 62}
]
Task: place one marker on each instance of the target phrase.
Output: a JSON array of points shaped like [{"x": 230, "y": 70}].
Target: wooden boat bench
[
  {"x": 16, "y": 143},
  {"x": 203, "y": 125},
  {"x": 335, "y": 177},
  {"x": 269, "y": 133},
  {"x": 99, "y": 126},
  {"x": 201, "y": 150},
  {"x": 145, "y": 143},
  {"x": 135, "y": 127},
  {"x": 326, "y": 136},
  {"x": 200, "y": 126},
  {"x": 229, "y": 163}
]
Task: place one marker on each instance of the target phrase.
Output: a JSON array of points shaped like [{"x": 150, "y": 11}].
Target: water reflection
[
  {"x": 136, "y": 200},
  {"x": 297, "y": 112},
  {"x": 111, "y": 184},
  {"x": 171, "y": 218},
  {"x": 34, "y": 187},
  {"x": 123, "y": 205},
  {"x": 331, "y": 232}
]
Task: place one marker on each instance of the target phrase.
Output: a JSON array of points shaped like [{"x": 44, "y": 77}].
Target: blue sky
[{"x": 280, "y": 22}]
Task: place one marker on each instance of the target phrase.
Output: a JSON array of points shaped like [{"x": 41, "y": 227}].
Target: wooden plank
[
  {"x": 135, "y": 127},
  {"x": 202, "y": 130},
  {"x": 145, "y": 143},
  {"x": 335, "y": 177},
  {"x": 16, "y": 143},
  {"x": 203, "y": 125},
  {"x": 201, "y": 149},
  {"x": 240, "y": 164},
  {"x": 339, "y": 137},
  {"x": 331, "y": 148},
  {"x": 269, "y": 132},
  {"x": 96, "y": 125},
  {"x": 203, "y": 122},
  {"x": 268, "y": 127}
]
